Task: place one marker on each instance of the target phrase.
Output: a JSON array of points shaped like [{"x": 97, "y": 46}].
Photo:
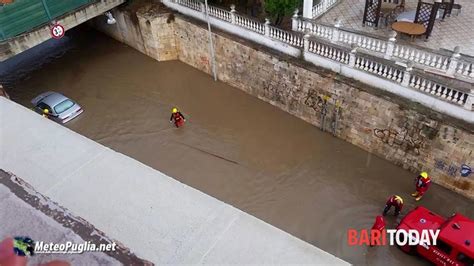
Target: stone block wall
[
  {"x": 393, "y": 128},
  {"x": 148, "y": 28}
]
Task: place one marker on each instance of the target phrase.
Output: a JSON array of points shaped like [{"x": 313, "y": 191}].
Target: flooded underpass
[{"x": 234, "y": 147}]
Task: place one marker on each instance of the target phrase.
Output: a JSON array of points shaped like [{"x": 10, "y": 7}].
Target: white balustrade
[
  {"x": 380, "y": 69},
  {"x": 465, "y": 69},
  {"x": 193, "y": 4},
  {"x": 389, "y": 48},
  {"x": 441, "y": 91},
  {"x": 319, "y": 30},
  {"x": 328, "y": 51},
  {"x": 421, "y": 57},
  {"x": 322, "y": 7},
  {"x": 300, "y": 25},
  {"x": 250, "y": 24},
  {"x": 219, "y": 13},
  {"x": 362, "y": 41},
  {"x": 286, "y": 37}
]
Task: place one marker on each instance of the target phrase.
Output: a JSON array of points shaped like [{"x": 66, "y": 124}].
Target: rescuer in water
[
  {"x": 46, "y": 113},
  {"x": 422, "y": 183},
  {"x": 379, "y": 225},
  {"x": 395, "y": 201},
  {"x": 177, "y": 117}
]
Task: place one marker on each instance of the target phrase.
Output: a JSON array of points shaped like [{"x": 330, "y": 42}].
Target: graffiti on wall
[
  {"x": 204, "y": 60},
  {"x": 407, "y": 137},
  {"x": 314, "y": 101},
  {"x": 328, "y": 107},
  {"x": 319, "y": 103},
  {"x": 449, "y": 134},
  {"x": 451, "y": 169}
]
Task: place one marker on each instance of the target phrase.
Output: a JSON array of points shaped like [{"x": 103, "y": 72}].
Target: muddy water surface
[{"x": 234, "y": 147}]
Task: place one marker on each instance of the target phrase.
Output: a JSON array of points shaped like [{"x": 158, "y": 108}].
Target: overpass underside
[{"x": 16, "y": 37}]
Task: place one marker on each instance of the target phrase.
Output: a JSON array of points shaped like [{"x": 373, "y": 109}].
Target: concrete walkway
[
  {"x": 20, "y": 219},
  {"x": 157, "y": 217}
]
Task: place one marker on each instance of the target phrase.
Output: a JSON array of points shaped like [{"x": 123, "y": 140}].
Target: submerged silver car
[{"x": 60, "y": 108}]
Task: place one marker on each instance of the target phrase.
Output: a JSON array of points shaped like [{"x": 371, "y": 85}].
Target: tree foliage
[{"x": 278, "y": 9}]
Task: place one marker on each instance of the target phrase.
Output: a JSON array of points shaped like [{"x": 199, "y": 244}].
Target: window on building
[{"x": 443, "y": 246}]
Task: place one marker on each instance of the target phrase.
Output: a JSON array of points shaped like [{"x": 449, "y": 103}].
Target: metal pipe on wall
[{"x": 211, "y": 44}]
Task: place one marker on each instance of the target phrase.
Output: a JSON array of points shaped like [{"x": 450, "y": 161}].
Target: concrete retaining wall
[{"x": 403, "y": 132}]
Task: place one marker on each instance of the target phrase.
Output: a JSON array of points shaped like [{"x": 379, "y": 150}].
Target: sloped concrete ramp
[{"x": 157, "y": 217}]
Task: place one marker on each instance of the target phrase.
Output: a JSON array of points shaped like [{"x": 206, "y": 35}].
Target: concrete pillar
[
  {"x": 335, "y": 31},
  {"x": 306, "y": 42},
  {"x": 232, "y": 14},
  {"x": 469, "y": 101},
  {"x": 390, "y": 45},
  {"x": 453, "y": 63},
  {"x": 308, "y": 9},
  {"x": 352, "y": 55},
  {"x": 295, "y": 20},
  {"x": 267, "y": 27},
  {"x": 407, "y": 74}
]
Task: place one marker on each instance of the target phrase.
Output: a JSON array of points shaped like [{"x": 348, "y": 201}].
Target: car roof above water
[{"x": 53, "y": 99}]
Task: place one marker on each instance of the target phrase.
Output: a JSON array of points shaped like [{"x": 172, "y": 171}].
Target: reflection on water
[{"x": 234, "y": 147}]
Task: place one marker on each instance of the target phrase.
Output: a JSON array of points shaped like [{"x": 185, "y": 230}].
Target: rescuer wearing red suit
[
  {"x": 422, "y": 183},
  {"x": 379, "y": 226},
  {"x": 177, "y": 117},
  {"x": 379, "y": 223},
  {"x": 395, "y": 201}
]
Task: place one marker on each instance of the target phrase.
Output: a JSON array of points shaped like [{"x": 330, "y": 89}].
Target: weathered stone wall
[
  {"x": 148, "y": 28},
  {"x": 398, "y": 130}
]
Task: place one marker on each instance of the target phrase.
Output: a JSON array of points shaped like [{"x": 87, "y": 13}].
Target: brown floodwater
[{"x": 234, "y": 147}]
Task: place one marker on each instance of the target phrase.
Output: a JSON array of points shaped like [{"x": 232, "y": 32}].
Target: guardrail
[{"x": 327, "y": 46}]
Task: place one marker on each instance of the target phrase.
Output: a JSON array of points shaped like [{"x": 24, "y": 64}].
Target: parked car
[
  {"x": 60, "y": 108},
  {"x": 3, "y": 92},
  {"x": 455, "y": 243}
]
